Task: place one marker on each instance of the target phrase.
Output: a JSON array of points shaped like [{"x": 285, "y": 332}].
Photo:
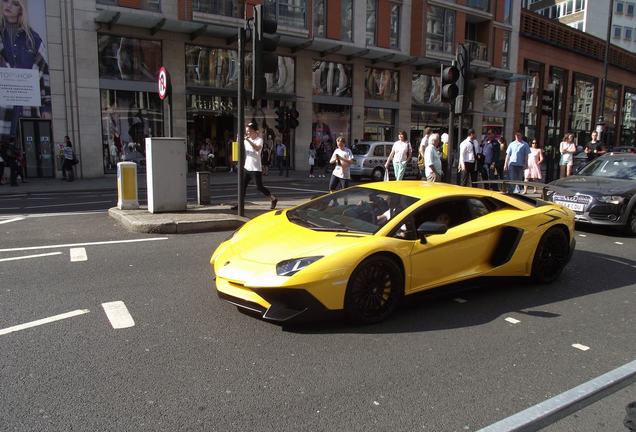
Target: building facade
[
  {"x": 556, "y": 57},
  {"x": 364, "y": 69}
]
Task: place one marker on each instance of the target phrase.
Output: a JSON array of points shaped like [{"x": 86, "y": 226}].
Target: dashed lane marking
[
  {"x": 460, "y": 300},
  {"x": 618, "y": 243},
  {"x": 68, "y": 204},
  {"x": 69, "y": 245},
  {"x": 78, "y": 254},
  {"x": 118, "y": 314},
  {"x": 43, "y": 321},
  {"x": 512, "y": 320},
  {"x": 582, "y": 235},
  {"x": 580, "y": 347},
  {"x": 30, "y": 256}
]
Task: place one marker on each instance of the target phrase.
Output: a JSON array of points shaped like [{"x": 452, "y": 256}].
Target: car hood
[
  {"x": 271, "y": 238},
  {"x": 596, "y": 185}
]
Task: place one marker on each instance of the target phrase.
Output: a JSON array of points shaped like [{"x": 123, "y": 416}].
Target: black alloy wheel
[
  {"x": 551, "y": 256},
  {"x": 631, "y": 222},
  {"x": 374, "y": 291}
]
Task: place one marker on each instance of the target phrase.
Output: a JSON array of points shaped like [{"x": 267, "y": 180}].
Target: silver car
[{"x": 370, "y": 157}]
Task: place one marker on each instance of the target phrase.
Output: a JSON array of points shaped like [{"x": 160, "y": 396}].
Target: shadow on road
[{"x": 490, "y": 298}]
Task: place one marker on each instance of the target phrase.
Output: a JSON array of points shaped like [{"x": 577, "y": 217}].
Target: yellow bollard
[{"x": 127, "y": 186}]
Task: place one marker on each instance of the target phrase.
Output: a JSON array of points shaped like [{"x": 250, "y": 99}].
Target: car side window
[
  {"x": 477, "y": 208},
  {"x": 378, "y": 150},
  {"x": 451, "y": 213}
]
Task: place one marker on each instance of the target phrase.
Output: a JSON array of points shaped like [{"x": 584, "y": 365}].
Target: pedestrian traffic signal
[
  {"x": 281, "y": 120},
  {"x": 547, "y": 102},
  {"x": 264, "y": 60},
  {"x": 292, "y": 118},
  {"x": 449, "y": 77}
]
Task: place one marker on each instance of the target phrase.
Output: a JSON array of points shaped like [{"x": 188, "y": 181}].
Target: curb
[{"x": 168, "y": 223}]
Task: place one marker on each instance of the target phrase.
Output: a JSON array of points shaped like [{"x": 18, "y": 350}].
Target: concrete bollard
[
  {"x": 127, "y": 186},
  {"x": 203, "y": 187}
]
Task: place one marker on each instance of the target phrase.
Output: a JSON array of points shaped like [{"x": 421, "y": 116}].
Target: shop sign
[
  {"x": 20, "y": 87},
  {"x": 163, "y": 83}
]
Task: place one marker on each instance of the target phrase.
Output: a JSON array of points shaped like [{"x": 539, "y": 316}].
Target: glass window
[
  {"x": 505, "y": 51},
  {"x": 495, "y": 124},
  {"x": 379, "y": 124},
  {"x": 394, "y": 35},
  {"x": 530, "y": 99},
  {"x": 328, "y": 123},
  {"x": 378, "y": 151},
  {"x": 211, "y": 67},
  {"x": 228, "y": 8},
  {"x": 290, "y": 13},
  {"x": 281, "y": 81},
  {"x": 630, "y": 10},
  {"x": 331, "y": 79},
  {"x": 508, "y": 11},
  {"x": 619, "y": 8},
  {"x": 381, "y": 84},
  {"x": 582, "y": 102},
  {"x": 372, "y": 6},
  {"x": 628, "y": 127},
  {"x": 347, "y": 20},
  {"x": 426, "y": 89},
  {"x": 617, "y": 32},
  {"x": 320, "y": 18},
  {"x": 612, "y": 93},
  {"x": 483, "y": 5},
  {"x": 440, "y": 30},
  {"x": 127, "y": 119},
  {"x": 495, "y": 98},
  {"x": 421, "y": 119},
  {"x": 628, "y": 33},
  {"x": 123, "y": 58}
]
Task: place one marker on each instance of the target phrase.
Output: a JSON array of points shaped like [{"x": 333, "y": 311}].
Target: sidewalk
[{"x": 109, "y": 183}]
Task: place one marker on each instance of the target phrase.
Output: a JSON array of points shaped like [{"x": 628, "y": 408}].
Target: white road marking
[
  {"x": 29, "y": 256},
  {"x": 78, "y": 254},
  {"x": 582, "y": 235},
  {"x": 15, "y": 219},
  {"x": 460, "y": 300},
  {"x": 619, "y": 262},
  {"x": 82, "y": 244},
  {"x": 118, "y": 314},
  {"x": 44, "y": 321},
  {"x": 43, "y": 215},
  {"x": 581, "y": 347},
  {"x": 68, "y": 204},
  {"x": 618, "y": 243},
  {"x": 512, "y": 320}
]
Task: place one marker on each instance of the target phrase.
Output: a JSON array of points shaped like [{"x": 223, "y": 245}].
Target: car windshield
[
  {"x": 357, "y": 209},
  {"x": 613, "y": 167},
  {"x": 360, "y": 149}
]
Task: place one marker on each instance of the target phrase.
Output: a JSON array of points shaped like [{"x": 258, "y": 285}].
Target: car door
[{"x": 464, "y": 251}]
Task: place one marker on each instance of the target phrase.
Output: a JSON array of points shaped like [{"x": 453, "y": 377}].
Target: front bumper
[
  {"x": 599, "y": 213},
  {"x": 283, "y": 305}
]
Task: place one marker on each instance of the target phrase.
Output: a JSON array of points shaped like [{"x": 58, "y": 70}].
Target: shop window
[
  {"x": 530, "y": 99},
  {"x": 440, "y": 30},
  {"x": 394, "y": 34},
  {"x": 372, "y": 8},
  {"x": 320, "y": 18},
  {"x": 507, "y": 11},
  {"x": 495, "y": 98},
  {"x": 426, "y": 89},
  {"x": 127, "y": 119},
  {"x": 379, "y": 124},
  {"x": 505, "y": 51},
  {"x": 582, "y": 102},
  {"x": 496, "y": 124},
  {"x": 328, "y": 123},
  {"x": 123, "y": 58},
  {"x": 628, "y": 127},
  {"x": 211, "y": 67},
  {"x": 347, "y": 20},
  {"x": 331, "y": 79},
  {"x": 381, "y": 84}
]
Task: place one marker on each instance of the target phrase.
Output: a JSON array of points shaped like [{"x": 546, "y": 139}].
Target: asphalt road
[{"x": 449, "y": 362}]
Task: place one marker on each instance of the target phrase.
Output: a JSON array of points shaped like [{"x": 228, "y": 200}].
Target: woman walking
[
  {"x": 400, "y": 155},
  {"x": 567, "y": 149},
  {"x": 535, "y": 159}
]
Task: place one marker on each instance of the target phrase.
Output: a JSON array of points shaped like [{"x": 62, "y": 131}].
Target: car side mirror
[{"x": 430, "y": 228}]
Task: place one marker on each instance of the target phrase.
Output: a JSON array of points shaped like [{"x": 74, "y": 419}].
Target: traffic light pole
[
  {"x": 451, "y": 139},
  {"x": 241, "y": 120}
]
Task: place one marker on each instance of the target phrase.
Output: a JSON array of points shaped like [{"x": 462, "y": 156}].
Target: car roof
[{"x": 431, "y": 191}]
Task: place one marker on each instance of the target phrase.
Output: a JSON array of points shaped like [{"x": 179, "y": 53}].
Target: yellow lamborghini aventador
[{"x": 362, "y": 249}]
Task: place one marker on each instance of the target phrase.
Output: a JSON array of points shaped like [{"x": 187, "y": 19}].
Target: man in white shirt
[
  {"x": 432, "y": 161},
  {"x": 343, "y": 158},
  {"x": 467, "y": 173},
  {"x": 253, "y": 147},
  {"x": 423, "y": 144}
]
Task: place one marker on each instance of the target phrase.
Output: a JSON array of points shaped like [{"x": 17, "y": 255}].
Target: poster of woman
[{"x": 23, "y": 47}]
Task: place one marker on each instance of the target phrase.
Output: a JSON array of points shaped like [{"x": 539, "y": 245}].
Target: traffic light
[
  {"x": 263, "y": 58},
  {"x": 281, "y": 120},
  {"x": 547, "y": 102},
  {"x": 292, "y": 118},
  {"x": 449, "y": 76}
]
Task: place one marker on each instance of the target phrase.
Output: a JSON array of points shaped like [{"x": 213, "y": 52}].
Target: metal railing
[
  {"x": 478, "y": 50},
  {"x": 228, "y": 8}
]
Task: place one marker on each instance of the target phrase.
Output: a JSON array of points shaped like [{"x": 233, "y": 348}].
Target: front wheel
[
  {"x": 375, "y": 289},
  {"x": 631, "y": 222},
  {"x": 551, "y": 256}
]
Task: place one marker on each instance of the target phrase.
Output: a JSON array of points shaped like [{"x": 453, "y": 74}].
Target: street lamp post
[{"x": 600, "y": 123}]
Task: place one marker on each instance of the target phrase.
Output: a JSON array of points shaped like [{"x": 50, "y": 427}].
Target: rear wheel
[
  {"x": 377, "y": 174},
  {"x": 631, "y": 222},
  {"x": 551, "y": 256},
  {"x": 374, "y": 290}
]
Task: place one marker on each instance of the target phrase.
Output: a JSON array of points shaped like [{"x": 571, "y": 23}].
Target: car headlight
[
  {"x": 611, "y": 199},
  {"x": 293, "y": 266}
]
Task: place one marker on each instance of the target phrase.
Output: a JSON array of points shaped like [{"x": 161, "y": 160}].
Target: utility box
[
  {"x": 203, "y": 187},
  {"x": 166, "y": 174}
]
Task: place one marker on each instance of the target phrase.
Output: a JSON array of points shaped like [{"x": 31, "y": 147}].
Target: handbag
[
  {"x": 420, "y": 161},
  {"x": 386, "y": 175},
  {"x": 311, "y": 160}
]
